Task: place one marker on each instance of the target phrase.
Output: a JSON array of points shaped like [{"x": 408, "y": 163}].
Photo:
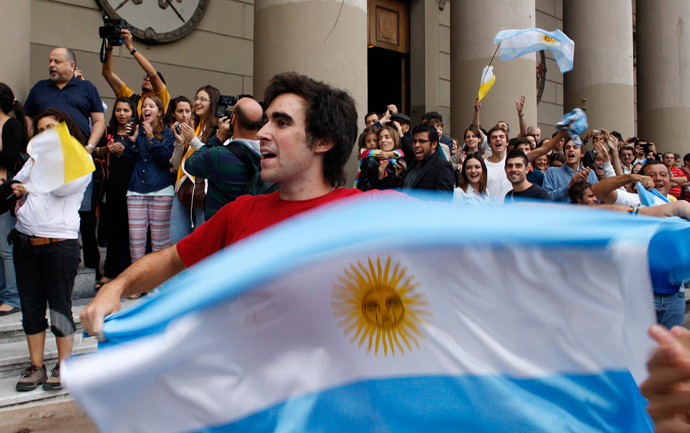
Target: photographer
[{"x": 153, "y": 84}]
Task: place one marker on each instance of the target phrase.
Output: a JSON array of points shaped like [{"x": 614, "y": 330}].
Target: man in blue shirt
[
  {"x": 79, "y": 99},
  {"x": 558, "y": 179}
]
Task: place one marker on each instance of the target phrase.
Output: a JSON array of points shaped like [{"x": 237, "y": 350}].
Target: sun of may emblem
[
  {"x": 379, "y": 305},
  {"x": 548, "y": 40}
]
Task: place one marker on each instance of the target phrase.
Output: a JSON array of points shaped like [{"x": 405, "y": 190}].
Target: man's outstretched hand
[
  {"x": 106, "y": 302},
  {"x": 668, "y": 386}
]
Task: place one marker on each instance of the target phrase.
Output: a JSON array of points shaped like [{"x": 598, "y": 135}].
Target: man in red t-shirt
[
  {"x": 677, "y": 176},
  {"x": 305, "y": 144}
]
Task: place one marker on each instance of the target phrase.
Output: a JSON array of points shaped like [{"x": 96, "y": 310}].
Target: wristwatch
[
  {"x": 91, "y": 146},
  {"x": 134, "y": 50}
]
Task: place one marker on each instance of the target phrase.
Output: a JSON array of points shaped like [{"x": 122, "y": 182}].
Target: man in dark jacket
[{"x": 428, "y": 171}]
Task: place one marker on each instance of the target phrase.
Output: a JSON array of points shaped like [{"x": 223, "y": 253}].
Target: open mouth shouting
[{"x": 147, "y": 116}]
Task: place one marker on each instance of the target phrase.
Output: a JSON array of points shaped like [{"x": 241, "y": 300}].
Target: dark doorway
[{"x": 388, "y": 79}]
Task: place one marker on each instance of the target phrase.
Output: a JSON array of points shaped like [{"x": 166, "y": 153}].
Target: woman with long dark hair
[
  {"x": 473, "y": 179},
  {"x": 46, "y": 256},
  {"x": 13, "y": 140},
  {"x": 119, "y": 174},
  {"x": 186, "y": 142},
  {"x": 183, "y": 220},
  {"x": 148, "y": 148},
  {"x": 383, "y": 168}
]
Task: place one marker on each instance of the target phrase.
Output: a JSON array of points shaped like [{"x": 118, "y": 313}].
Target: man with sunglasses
[{"x": 154, "y": 83}]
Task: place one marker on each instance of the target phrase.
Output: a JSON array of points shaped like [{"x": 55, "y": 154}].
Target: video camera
[
  {"x": 112, "y": 31},
  {"x": 227, "y": 103}
]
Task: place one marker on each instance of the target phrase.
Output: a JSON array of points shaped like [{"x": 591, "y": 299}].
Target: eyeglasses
[
  {"x": 202, "y": 99},
  {"x": 421, "y": 141}
]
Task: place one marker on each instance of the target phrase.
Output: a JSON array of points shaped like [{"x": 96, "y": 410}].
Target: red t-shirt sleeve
[{"x": 208, "y": 238}]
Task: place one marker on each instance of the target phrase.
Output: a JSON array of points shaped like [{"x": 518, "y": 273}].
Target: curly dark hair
[
  {"x": 331, "y": 117},
  {"x": 62, "y": 117}
]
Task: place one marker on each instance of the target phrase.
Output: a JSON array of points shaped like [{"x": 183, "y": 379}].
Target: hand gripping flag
[
  {"x": 516, "y": 43},
  {"x": 317, "y": 325},
  {"x": 58, "y": 158},
  {"x": 650, "y": 198},
  {"x": 487, "y": 82}
]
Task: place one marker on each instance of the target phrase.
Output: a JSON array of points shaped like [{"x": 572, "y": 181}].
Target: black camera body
[
  {"x": 225, "y": 105},
  {"x": 112, "y": 31}
]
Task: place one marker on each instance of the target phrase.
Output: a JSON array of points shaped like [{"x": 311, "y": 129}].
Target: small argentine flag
[
  {"x": 58, "y": 159},
  {"x": 516, "y": 43},
  {"x": 317, "y": 325},
  {"x": 650, "y": 198},
  {"x": 487, "y": 82}
]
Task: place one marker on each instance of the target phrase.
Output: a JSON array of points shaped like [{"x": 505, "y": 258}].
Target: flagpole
[
  {"x": 490, "y": 62},
  {"x": 494, "y": 56}
]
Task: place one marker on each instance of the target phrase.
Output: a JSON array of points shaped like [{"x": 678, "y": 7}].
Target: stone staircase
[
  {"x": 14, "y": 352},
  {"x": 14, "y": 357}
]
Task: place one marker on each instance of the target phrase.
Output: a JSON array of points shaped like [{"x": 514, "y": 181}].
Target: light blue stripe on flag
[{"x": 516, "y": 43}]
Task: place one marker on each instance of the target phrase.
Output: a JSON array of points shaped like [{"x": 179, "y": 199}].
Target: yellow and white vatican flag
[
  {"x": 487, "y": 82},
  {"x": 58, "y": 159},
  {"x": 317, "y": 325}
]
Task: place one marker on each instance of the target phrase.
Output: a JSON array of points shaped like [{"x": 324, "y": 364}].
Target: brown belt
[{"x": 44, "y": 241}]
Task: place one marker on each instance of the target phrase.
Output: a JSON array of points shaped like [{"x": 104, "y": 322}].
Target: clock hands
[
  {"x": 163, "y": 4},
  {"x": 121, "y": 4}
]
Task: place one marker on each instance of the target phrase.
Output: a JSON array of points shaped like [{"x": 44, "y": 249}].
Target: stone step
[
  {"x": 10, "y": 397},
  {"x": 15, "y": 356}
]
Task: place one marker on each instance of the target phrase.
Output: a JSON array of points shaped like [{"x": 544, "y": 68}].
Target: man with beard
[{"x": 516, "y": 171}]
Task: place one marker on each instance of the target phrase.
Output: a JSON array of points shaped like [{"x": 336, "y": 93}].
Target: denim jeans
[
  {"x": 8, "y": 282},
  {"x": 670, "y": 308},
  {"x": 180, "y": 222}
]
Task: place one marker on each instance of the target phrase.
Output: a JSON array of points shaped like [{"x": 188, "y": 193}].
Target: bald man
[{"x": 218, "y": 161}]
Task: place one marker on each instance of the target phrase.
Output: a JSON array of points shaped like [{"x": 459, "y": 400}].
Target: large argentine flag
[
  {"x": 522, "y": 318},
  {"x": 516, "y": 43}
]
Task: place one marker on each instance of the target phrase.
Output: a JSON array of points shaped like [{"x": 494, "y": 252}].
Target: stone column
[
  {"x": 323, "y": 39},
  {"x": 15, "y": 32},
  {"x": 474, "y": 25},
  {"x": 601, "y": 81},
  {"x": 663, "y": 74}
]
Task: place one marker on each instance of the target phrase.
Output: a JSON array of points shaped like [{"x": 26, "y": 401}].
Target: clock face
[{"x": 157, "y": 21}]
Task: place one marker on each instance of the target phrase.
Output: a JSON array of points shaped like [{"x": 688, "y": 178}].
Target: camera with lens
[
  {"x": 227, "y": 103},
  {"x": 112, "y": 31}
]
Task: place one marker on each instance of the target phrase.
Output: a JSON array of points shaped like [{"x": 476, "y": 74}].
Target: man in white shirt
[{"x": 497, "y": 183}]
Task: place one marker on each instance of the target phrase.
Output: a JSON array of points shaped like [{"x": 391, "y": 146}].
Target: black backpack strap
[{"x": 236, "y": 149}]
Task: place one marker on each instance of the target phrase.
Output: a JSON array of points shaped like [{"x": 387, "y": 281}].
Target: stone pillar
[
  {"x": 663, "y": 74},
  {"x": 15, "y": 32},
  {"x": 323, "y": 39},
  {"x": 601, "y": 81},
  {"x": 474, "y": 25}
]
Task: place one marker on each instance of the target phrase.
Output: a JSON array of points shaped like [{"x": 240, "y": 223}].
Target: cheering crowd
[{"x": 167, "y": 168}]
